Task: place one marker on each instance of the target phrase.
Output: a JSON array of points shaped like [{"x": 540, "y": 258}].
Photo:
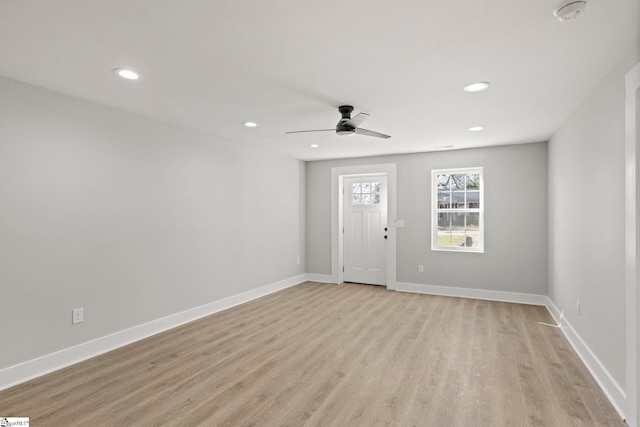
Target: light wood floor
[{"x": 319, "y": 354}]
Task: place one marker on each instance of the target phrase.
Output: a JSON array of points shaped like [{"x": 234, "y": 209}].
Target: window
[
  {"x": 365, "y": 193},
  {"x": 457, "y": 210}
]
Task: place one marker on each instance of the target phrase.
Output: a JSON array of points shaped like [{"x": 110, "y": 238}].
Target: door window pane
[{"x": 365, "y": 193}]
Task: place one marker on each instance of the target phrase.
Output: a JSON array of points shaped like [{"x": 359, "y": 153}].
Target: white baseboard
[
  {"x": 609, "y": 386},
  {"x": 22, "y": 372},
  {"x": 322, "y": 278},
  {"x": 532, "y": 299}
]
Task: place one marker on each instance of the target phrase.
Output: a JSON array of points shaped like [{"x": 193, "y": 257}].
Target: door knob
[{"x": 385, "y": 236}]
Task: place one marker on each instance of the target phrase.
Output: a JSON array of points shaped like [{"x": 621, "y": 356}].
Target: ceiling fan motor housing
[
  {"x": 346, "y": 111},
  {"x": 343, "y": 128}
]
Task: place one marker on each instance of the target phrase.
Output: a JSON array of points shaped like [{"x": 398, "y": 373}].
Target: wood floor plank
[{"x": 323, "y": 355}]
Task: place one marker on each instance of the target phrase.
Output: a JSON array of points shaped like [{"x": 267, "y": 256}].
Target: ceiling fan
[{"x": 348, "y": 125}]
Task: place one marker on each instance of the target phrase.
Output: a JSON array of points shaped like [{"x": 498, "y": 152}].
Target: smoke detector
[{"x": 570, "y": 9}]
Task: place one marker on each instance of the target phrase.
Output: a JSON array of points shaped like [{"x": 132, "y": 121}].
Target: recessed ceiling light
[
  {"x": 125, "y": 73},
  {"x": 475, "y": 129},
  {"x": 314, "y": 146},
  {"x": 476, "y": 87},
  {"x": 250, "y": 124}
]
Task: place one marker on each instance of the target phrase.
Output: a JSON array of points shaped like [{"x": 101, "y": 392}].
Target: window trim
[{"x": 435, "y": 210}]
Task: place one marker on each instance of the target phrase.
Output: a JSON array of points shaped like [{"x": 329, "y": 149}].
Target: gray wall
[
  {"x": 130, "y": 218},
  {"x": 515, "y": 257},
  {"x": 586, "y": 216}
]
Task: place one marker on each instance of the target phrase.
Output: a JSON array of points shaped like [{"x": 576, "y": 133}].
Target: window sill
[{"x": 471, "y": 251}]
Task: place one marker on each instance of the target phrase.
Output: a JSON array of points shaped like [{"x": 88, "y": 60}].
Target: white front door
[{"x": 365, "y": 229}]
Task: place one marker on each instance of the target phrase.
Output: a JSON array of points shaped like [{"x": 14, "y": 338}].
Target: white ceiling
[{"x": 286, "y": 64}]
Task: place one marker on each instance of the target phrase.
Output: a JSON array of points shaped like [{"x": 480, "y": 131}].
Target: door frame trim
[
  {"x": 632, "y": 242},
  {"x": 337, "y": 186}
]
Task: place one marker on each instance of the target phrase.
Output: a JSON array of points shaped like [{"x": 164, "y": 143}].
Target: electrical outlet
[
  {"x": 298, "y": 260},
  {"x": 578, "y": 307},
  {"x": 77, "y": 315},
  {"x": 421, "y": 268}
]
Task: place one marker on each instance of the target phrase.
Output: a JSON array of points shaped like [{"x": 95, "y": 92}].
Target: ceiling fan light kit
[
  {"x": 568, "y": 10},
  {"x": 348, "y": 125}
]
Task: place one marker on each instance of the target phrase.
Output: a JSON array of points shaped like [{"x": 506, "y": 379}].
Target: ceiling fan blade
[
  {"x": 356, "y": 120},
  {"x": 315, "y": 130},
  {"x": 368, "y": 132}
]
